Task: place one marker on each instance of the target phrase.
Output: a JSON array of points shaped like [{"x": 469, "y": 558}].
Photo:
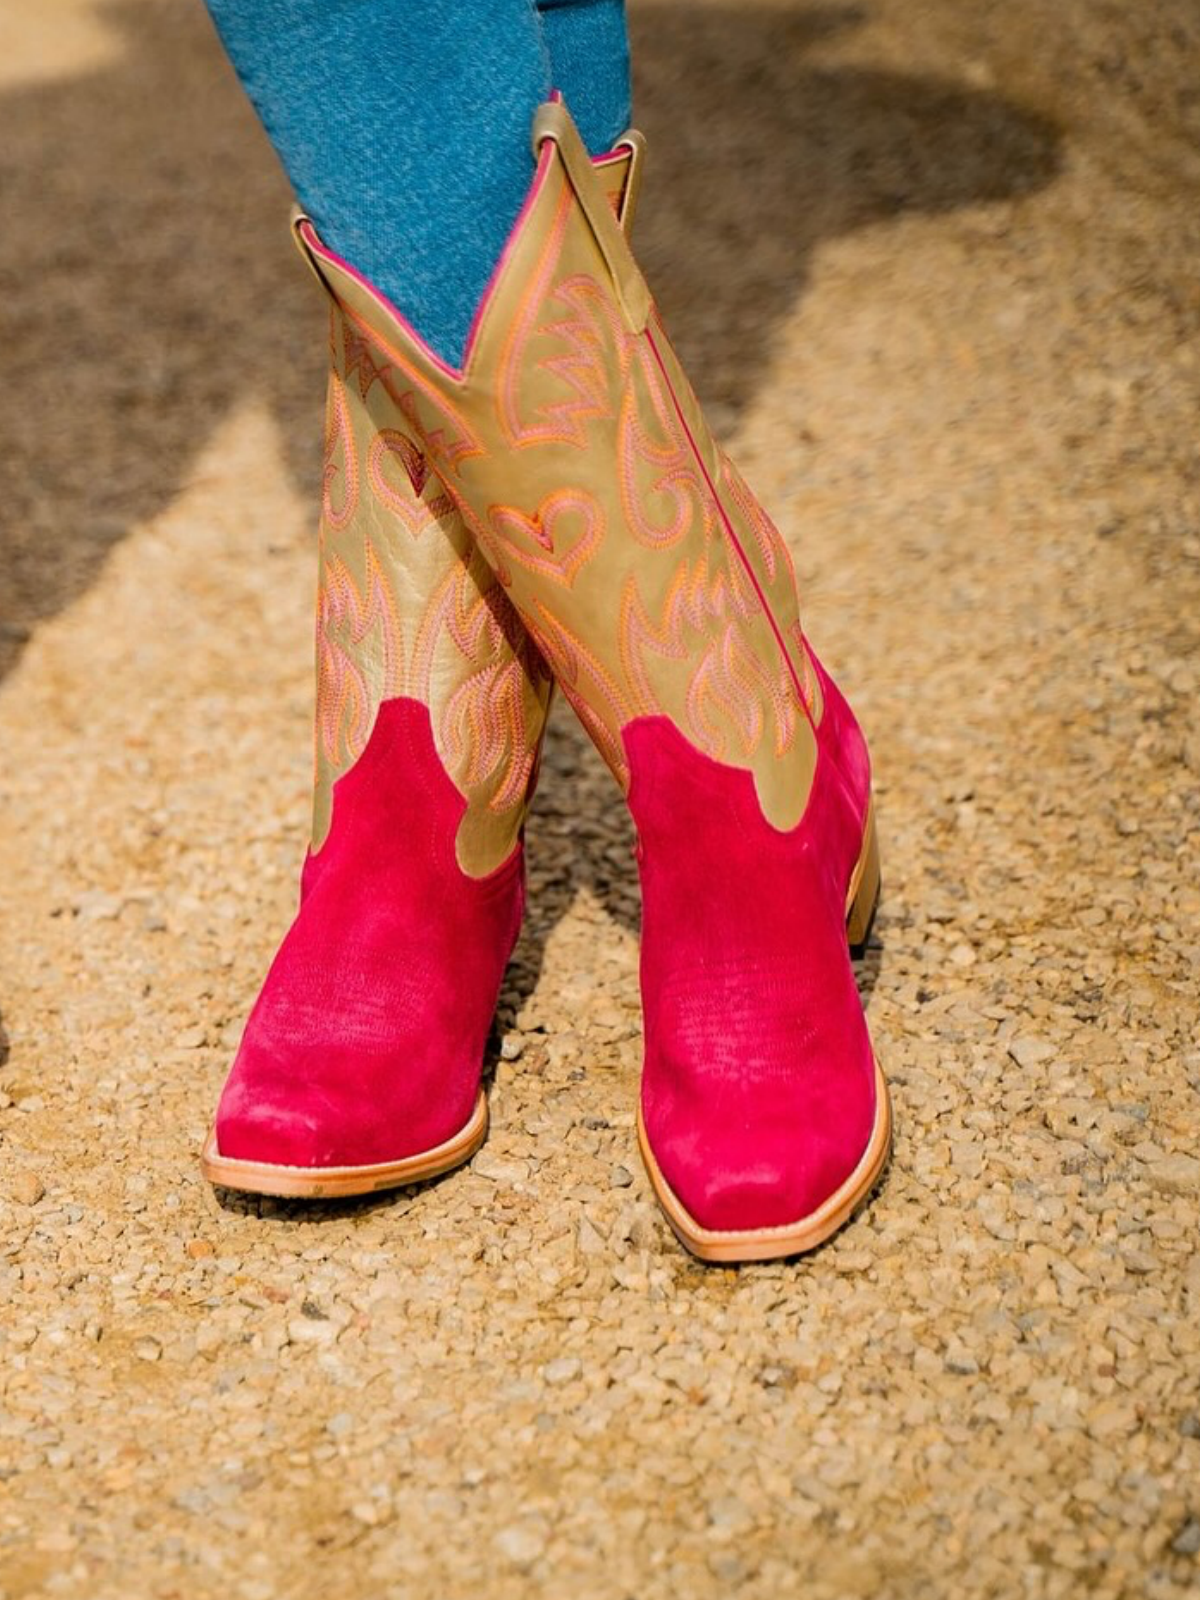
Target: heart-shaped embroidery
[
  {"x": 404, "y": 500},
  {"x": 563, "y": 534}
]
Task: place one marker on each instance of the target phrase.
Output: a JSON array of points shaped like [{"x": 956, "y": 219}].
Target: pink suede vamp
[
  {"x": 840, "y": 738},
  {"x": 367, "y": 1041},
  {"x": 758, "y": 1091}
]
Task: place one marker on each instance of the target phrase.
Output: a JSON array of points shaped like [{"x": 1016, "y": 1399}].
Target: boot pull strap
[
  {"x": 553, "y": 121},
  {"x": 301, "y": 220},
  {"x": 635, "y": 143}
]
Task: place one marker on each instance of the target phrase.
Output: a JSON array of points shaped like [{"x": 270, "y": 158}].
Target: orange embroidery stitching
[
  {"x": 676, "y": 480},
  {"x": 705, "y": 630},
  {"x": 404, "y": 501},
  {"x": 485, "y": 730},
  {"x": 450, "y": 443},
  {"x": 573, "y": 665},
  {"x": 547, "y": 531},
  {"x": 346, "y": 702},
  {"x": 339, "y": 441},
  {"x": 728, "y": 670}
]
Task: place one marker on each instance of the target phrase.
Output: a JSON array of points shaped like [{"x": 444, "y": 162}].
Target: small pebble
[
  {"x": 303, "y": 1330},
  {"x": 520, "y": 1544},
  {"x": 562, "y": 1370},
  {"x": 728, "y": 1511},
  {"x": 1176, "y": 1174},
  {"x": 500, "y": 1169},
  {"x": 26, "y": 1188},
  {"x": 1028, "y": 1052},
  {"x": 591, "y": 1243},
  {"x": 93, "y": 905}
]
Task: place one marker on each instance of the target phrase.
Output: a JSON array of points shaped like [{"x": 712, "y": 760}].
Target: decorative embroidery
[
  {"x": 776, "y": 557},
  {"x": 567, "y": 527},
  {"x": 340, "y": 459},
  {"x": 663, "y": 448},
  {"x": 706, "y": 611},
  {"x": 734, "y": 684},
  {"x": 645, "y": 570},
  {"x": 486, "y": 735},
  {"x": 490, "y": 725},
  {"x": 407, "y": 605},
  {"x": 358, "y": 359},
  {"x": 404, "y": 500},
  {"x": 353, "y": 678},
  {"x": 584, "y": 680},
  {"x": 777, "y": 576},
  {"x": 581, "y": 371},
  {"x": 449, "y": 441},
  {"x": 810, "y": 685}
]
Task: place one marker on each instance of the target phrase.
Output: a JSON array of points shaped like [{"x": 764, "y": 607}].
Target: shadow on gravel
[
  {"x": 269, "y": 1208},
  {"x": 147, "y": 283},
  {"x": 758, "y": 153}
]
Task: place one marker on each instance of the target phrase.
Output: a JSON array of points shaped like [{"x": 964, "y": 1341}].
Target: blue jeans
[{"x": 403, "y": 125}]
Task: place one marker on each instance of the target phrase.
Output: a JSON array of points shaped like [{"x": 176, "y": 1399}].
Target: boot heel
[{"x": 863, "y": 899}]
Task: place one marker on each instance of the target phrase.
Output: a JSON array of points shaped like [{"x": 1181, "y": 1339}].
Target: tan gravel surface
[{"x": 935, "y": 262}]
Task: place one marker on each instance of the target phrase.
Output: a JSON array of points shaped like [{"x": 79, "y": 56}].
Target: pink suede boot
[
  {"x": 664, "y": 599},
  {"x": 360, "y": 1066}
]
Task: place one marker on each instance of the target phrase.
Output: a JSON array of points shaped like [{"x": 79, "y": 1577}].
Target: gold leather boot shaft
[
  {"x": 408, "y": 607},
  {"x": 578, "y": 457}
]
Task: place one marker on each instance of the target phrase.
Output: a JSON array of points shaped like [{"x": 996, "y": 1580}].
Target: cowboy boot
[
  {"x": 360, "y": 1064},
  {"x": 664, "y": 600}
]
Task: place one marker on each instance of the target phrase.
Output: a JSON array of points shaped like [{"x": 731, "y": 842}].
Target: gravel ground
[{"x": 934, "y": 262}]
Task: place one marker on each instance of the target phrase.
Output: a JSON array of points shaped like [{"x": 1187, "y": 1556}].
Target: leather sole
[
  {"x": 334, "y": 1183},
  {"x": 791, "y": 1238},
  {"x": 862, "y": 898}
]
